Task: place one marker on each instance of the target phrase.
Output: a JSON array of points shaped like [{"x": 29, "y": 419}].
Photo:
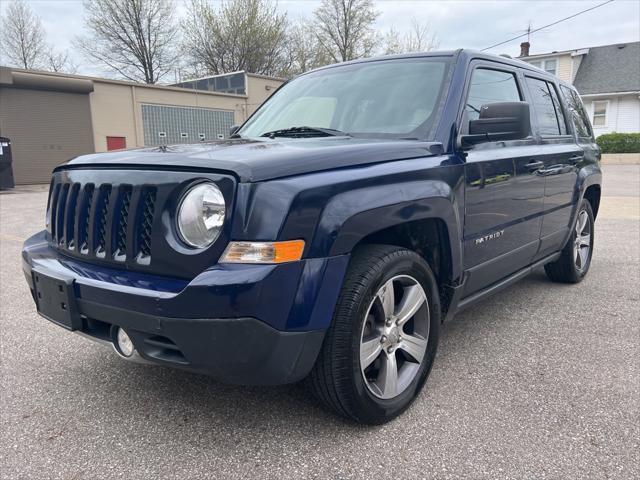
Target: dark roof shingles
[{"x": 610, "y": 69}]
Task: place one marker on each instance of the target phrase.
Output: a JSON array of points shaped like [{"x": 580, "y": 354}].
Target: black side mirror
[
  {"x": 499, "y": 121},
  {"x": 233, "y": 129}
]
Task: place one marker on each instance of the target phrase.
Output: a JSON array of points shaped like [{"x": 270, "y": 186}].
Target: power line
[{"x": 546, "y": 26}]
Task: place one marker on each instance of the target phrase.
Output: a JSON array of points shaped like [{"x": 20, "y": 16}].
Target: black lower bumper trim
[{"x": 243, "y": 351}]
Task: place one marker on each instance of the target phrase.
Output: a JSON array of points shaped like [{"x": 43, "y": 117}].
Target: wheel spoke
[
  {"x": 388, "y": 377},
  {"x": 583, "y": 256},
  {"x": 387, "y": 297},
  {"x": 414, "y": 346},
  {"x": 369, "y": 351},
  {"x": 582, "y": 222},
  {"x": 585, "y": 240},
  {"x": 411, "y": 302}
]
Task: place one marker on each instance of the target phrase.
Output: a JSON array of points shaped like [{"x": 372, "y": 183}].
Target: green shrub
[{"x": 619, "y": 142}]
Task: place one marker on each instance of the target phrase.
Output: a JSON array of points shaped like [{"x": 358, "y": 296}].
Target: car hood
[{"x": 264, "y": 159}]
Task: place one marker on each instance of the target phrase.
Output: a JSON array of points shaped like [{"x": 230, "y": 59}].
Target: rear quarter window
[
  {"x": 546, "y": 106},
  {"x": 577, "y": 113}
]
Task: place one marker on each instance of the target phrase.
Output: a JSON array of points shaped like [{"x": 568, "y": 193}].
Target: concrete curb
[{"x": 621, "y": 158}]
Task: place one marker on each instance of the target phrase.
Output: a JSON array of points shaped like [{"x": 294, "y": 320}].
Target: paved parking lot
[{"x": 540, "y": 381}]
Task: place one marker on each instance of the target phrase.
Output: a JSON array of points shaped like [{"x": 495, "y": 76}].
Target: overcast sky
[{"x": 471, "y": 24}]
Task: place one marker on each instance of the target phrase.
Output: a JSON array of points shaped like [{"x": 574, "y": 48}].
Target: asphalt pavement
[{"x": 539, "y": 381}]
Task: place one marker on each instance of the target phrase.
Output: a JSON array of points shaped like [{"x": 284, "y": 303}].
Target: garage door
[{"x": 46, "y": 128}]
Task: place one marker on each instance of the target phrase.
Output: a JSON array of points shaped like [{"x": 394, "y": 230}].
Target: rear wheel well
[
  {"x": 592, "y": 194},
  {"x": 429, "y": 238}
]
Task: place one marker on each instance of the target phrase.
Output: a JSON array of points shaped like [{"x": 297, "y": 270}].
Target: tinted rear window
[
  {"x": 546, "y": 107},
  {"x": 577, "y": 112}
]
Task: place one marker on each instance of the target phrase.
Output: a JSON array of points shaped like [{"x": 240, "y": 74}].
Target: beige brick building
[{"x": 52, "y": 117}]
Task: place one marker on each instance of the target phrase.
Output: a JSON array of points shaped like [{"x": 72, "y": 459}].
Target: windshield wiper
[{"x": 301, "y": 132}]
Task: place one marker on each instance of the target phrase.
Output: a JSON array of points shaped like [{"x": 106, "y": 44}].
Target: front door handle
[{"x": 534, "y": 165}]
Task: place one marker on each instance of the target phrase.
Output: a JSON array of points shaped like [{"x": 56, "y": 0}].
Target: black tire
[
  {"x": 336, "y": 379},
  {"x": 565, "y": 269}
]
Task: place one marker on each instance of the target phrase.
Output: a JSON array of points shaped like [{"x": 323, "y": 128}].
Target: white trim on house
[{"x": 612, "y": 94}]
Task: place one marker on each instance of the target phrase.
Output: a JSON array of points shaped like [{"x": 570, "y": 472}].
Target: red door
[{"x": 116, "y": 143}]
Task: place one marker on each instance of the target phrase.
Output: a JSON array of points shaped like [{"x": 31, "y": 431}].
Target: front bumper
[{"x": 243, "y": 324}]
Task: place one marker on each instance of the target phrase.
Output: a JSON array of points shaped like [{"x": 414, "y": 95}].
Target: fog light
[{"x": 125, "y": 345}]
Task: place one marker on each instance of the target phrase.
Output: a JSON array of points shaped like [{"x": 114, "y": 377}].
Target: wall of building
[
  {"x": 259, "y": 88},
  {"x": 46, "y": 128},
  {"x": 116, "y": 108},
  {"x": 52, "y": 117},
  {"x": 623, "y": 114},
  {"x": 564, "y": 68},
  {"x": 563, "y": 65}
]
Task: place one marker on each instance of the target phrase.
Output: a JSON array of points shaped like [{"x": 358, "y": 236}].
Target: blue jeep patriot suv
[{"x": 330, "y": 236}]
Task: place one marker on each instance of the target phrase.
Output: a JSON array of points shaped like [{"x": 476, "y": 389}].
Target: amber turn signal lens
[{"x": 263, "y": 252}]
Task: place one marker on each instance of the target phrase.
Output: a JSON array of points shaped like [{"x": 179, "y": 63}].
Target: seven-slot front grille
[{"x": 110, "y": 222}]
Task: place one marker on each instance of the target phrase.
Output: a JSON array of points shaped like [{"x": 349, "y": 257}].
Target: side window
[
  {"x": 562, "y": 123},
  {"x": 578, "y": 113},
  {"x": 546, "y": 107},
  {"x": 489, "y": 86}
]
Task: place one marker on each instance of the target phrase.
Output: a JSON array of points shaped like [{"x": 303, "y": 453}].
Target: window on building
[
  {"x": 549, "y": 65},
  {"x": 600, "y": 114},
  {"x": 490, "y": 86},
  {"x": 578, "y": 112},
  {"x": 546, "y": 107}
]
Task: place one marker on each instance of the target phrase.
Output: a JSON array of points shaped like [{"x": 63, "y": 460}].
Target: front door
[{"x": 504, "y": 191}]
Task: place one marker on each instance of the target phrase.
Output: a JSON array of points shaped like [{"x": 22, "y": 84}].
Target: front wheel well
[
  {"x": 592, "y": 194},
  {"x": 429, "y": 238}
]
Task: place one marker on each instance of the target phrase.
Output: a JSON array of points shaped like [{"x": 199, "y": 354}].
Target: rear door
[
  {"x": 561, "y": 157},
  {"x": 503, "y": 192}
]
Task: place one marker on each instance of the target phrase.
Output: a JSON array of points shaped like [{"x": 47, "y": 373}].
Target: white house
[{"x": 607, "y": 77}]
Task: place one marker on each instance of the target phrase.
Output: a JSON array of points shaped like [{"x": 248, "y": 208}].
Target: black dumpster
[{"x": 6, "y": 170}]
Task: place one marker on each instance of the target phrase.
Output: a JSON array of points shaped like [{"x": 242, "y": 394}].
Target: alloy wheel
[
  {"x": 394, "y": 337},
  {"x": 582, "y": 242}
]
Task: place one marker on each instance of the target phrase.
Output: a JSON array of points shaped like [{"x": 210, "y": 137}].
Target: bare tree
[
  {"x": 304, "y": 50},
  {"x": 246, "y": 35},
  {"x": 345, "y": 28},
  {"x": 392, "y": 42},
  {"x": 23, "y": 38},
  {"x": 420, "y": 38},
  {"x": 59, "y": 61},
  {"x": 136, "y": 38}
]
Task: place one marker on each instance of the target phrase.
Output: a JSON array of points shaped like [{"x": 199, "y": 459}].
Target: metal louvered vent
[{"x": 146, "y": 223}]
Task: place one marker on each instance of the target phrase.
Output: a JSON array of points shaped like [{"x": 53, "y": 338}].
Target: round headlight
[{"x": 201, "y": 215}]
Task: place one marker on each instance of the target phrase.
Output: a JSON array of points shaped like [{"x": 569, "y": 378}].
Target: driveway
[{"x": 540, "y": 381}]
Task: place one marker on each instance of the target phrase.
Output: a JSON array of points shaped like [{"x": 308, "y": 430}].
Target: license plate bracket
[{"x": 56, "y": 300}]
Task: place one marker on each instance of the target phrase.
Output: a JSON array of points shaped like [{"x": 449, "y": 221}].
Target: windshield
[{"x": 397, "y": 98}]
